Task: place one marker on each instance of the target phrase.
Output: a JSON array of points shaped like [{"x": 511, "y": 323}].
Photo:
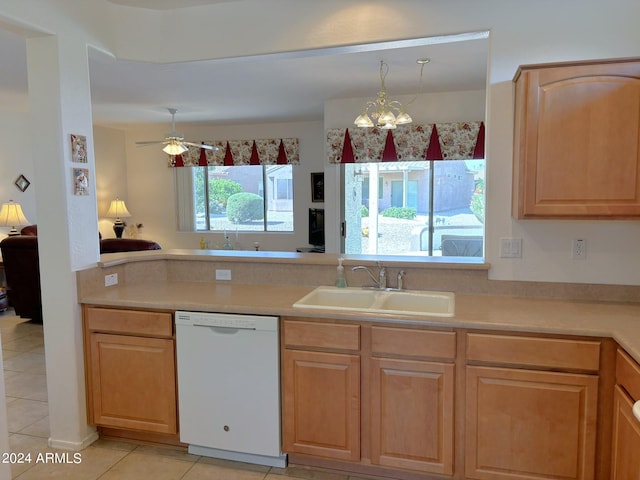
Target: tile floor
[{"x": 27, "y": 412}]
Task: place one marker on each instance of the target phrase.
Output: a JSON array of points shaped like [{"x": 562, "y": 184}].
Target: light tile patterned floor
[{"x": 28, "y": 418}]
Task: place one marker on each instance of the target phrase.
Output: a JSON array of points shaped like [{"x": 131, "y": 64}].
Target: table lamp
[
  {"x": 11, "y": 216},
  {"x": 118, "y": 210}
]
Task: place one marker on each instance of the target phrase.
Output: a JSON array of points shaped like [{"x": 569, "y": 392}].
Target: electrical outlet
[
  {"x": 110, "y": 280},
  {"x": 511, "y": 248},
  {"x": 223, "y": 274},
  {"x": 579, "y": 249}
]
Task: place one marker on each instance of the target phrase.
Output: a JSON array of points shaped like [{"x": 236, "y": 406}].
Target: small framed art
[
  {"x": 78, "y": 148},
  {"x": 81, "y": 181},
  {"x": 22, "y": 183},
  {"x": 317, "y": 187}
]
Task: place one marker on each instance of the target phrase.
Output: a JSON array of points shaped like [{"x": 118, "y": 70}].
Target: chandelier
[{"x": 387, "y": 113}]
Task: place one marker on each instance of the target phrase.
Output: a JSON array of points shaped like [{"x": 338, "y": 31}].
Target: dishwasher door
[{"x": 229, "y": 386}]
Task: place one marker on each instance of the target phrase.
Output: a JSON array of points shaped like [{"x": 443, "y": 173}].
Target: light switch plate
[{"x": 511, "y": 248}]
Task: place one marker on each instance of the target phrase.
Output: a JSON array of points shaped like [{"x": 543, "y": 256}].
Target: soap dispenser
[{"x": 341, "y": 281}]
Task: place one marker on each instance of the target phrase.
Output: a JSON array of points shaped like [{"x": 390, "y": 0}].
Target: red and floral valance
[
  {"x": 267, "y": 151},
  {"x": 435, "y": 141}
]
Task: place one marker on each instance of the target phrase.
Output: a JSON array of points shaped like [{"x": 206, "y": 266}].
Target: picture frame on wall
[
  {"x": 81, "y": 181},
  {"x": 78, "y": 148},
  {"x": 317, "y": 187},
  {"x": 22, "y": 183}
]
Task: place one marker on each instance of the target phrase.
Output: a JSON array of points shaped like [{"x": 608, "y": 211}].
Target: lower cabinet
[
  {"x": 524, "y": 421},
  {"x": 530, "y": 425},
  {"x": 412, "y": 415},
  {"x": 397, "y": 388},
  {"x": 626, "y": 427},
  {"x": 130, "y": 364},
  {"x": 626, "y": 438},
  {"x": 322, "y": 404}
]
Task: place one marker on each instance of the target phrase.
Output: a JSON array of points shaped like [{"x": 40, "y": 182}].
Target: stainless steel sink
[{"x": 399, "y": 302}]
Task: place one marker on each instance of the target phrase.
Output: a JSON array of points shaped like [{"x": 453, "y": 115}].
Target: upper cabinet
[{"x": 577, "y": 140}]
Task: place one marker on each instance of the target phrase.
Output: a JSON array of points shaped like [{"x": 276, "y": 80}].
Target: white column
[{"x": 60, "y": 105}]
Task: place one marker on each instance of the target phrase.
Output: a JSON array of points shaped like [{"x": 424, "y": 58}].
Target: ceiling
[
  {"x": 167, "y": 4},
  {"x": 282, "y": 87}
]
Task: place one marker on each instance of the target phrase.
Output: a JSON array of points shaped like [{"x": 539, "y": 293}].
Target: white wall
[
  {"x": 16, "y": 159},
  {"x": 111, "y": 173},
  {"x": 151, "y": 192}
]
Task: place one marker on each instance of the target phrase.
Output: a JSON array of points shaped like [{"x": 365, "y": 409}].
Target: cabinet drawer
[
  {"x": 628, "y": 374},
  {"x": 333, "y": 336},
  {"x": 532, "y": 351},
  {"x": 131, "y": 322},
  {"x": 411, "y": 342}
]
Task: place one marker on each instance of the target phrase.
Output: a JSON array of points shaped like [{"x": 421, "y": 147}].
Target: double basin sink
[{"x": 367, "y": 300}]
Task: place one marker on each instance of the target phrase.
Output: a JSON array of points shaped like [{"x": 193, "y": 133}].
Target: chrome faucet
[{"x": 381, "y": 281}]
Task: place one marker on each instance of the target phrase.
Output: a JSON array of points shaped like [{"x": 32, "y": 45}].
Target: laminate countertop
[{"x": 620, "y": 321}]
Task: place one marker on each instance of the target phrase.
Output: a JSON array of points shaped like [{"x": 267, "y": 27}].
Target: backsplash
[{"x": 312, "y": 270}]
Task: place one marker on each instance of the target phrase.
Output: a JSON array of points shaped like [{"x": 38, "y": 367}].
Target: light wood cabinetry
[
  {"x": 524, "y": 421},
  {"x": 404, "y": 409},
  {"x": 626, "y": 427},
  {"x": 130, "y": 369},
  {"x": 577, "y": 140},
  {"x": 321, "y": 390},
  {"x": 412, "y": 400},
  {"x": 322, "y": 404}
]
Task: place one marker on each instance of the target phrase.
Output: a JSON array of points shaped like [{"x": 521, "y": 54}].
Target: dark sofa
[
  {"x": 22, "y": 268},
  {"x": 114, "y": 245}
]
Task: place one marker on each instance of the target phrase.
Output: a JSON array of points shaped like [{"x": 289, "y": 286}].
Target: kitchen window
[{"x": 419, "y": 208}]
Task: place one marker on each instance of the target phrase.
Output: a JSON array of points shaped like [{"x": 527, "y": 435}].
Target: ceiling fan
[{"x": 174, "y": 143}]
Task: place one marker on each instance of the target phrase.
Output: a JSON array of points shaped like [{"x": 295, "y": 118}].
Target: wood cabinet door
[
  {"x": 577, "y": 141},
  {"x": 133, "y": 382},
  {"x": 321, "y": 404},
  {"x": 530, "y": 425},
  {"x": 412, "y": 415},
  {"x": 625, "y": 458}
]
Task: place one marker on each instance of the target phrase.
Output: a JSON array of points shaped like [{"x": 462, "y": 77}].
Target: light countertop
[{"x": 620, "y": 321}]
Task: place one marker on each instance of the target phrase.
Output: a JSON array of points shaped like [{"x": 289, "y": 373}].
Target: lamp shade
[
  {"x": 11, "y": 216},
  {"x": 118, "y": 209}
]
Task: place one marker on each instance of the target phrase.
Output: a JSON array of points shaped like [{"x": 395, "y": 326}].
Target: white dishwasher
[{"x": 229, "y": 386}]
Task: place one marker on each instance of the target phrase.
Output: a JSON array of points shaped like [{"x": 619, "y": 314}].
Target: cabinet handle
[{"x": 636, "y": 410}]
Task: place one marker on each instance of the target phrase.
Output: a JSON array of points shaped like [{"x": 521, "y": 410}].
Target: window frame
[
  {"x": 188, "y": 199},
  {"x": 432, "y": 214}
]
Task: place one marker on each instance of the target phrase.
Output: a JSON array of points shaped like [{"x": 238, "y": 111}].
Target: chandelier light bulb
[
  {"x": 387, "y": 118},
  {"x": 403, "y": 119},
  {"x": 363, "y": 120}
]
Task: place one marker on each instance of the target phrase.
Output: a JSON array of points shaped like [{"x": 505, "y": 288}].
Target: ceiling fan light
[
  {"x": 174, "y": 149},
  {"x": 363, "y": 121}
]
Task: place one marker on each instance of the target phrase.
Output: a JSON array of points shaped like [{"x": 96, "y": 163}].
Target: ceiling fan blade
[
  {"x": 201, "y": 145},
  {"x": 153, "y": 142}
]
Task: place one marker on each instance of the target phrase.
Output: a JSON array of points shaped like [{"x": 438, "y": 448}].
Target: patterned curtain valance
[
  {"x": 268, "y": 151},
  {"x": 441, "y": 141}
]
